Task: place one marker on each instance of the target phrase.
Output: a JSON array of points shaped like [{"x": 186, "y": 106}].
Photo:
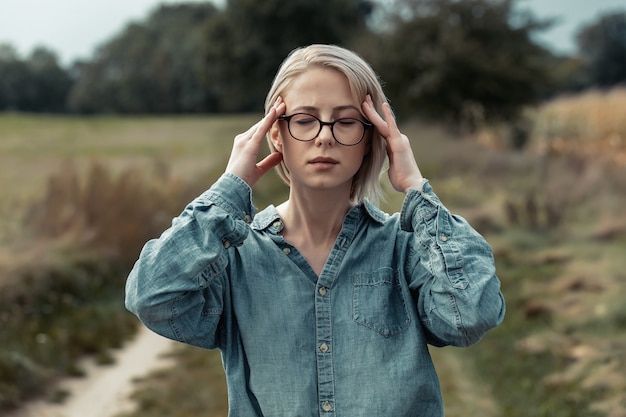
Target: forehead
[{"x": 319, "y": 87}]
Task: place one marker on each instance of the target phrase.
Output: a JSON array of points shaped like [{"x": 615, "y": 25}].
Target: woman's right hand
[{"x": 246, "y": 147}]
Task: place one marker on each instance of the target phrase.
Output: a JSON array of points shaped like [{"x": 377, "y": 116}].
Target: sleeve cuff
[
  {"x": 418, "y": 206},
  {"x": 233, "y": 195}
]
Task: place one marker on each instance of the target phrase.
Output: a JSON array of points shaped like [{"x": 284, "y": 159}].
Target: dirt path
[{"x": 105, "y": 390}]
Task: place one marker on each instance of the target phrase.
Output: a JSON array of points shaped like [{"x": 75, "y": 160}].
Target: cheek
[
  {"x": 292, "y": 153},
  {"x": 362, "y": 154},
  {"x": 289, "y": 151}
]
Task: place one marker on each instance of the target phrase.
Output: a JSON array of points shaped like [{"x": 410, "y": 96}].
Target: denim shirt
[{"x": 351, "y": 342}]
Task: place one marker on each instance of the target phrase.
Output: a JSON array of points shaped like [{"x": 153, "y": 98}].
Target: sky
[{"x": 74, "y": 28}]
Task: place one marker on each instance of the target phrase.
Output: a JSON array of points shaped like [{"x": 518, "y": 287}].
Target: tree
[
  {"x": 197, "y": 58},
  {"x": 12, "y": 77},
  {"x": 37, "y": 84},
  {"x": 50, "y": 83},
  {"x": 151, "y": 67},
  {"x": 602, "y": 44},
  {"x": 460, "y": 61},
  {"x": 246, "y": 44}
]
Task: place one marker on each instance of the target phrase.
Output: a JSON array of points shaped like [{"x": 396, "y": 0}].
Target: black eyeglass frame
[{"x": 366, "y": 127}]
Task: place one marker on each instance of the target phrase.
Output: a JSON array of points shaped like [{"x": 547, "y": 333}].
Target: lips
[{"x": 323, "y": 160}]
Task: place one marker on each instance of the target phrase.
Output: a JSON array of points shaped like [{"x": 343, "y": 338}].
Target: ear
[{"x": 276, "y": 136}]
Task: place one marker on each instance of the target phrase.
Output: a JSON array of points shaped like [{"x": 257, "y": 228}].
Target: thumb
[{"x": 269, "y": 162}]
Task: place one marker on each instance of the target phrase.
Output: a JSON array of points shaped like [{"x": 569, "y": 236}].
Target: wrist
[{"x": 415, "y": 185}]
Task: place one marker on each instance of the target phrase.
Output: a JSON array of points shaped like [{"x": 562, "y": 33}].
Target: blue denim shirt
[{"x": 351, "y": 342}]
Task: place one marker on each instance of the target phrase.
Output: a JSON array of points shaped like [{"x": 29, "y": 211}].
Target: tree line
[{"x": 460, "y": 60}]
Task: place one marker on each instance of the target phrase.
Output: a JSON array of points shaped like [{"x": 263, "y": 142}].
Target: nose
[{"x": 325, "y": 136}]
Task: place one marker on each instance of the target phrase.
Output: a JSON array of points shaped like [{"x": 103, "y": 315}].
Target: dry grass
[
  {"x": 589, "y": 126},
  {"x": 34, "y": 148},
  {"x": 114, "y": 214}
]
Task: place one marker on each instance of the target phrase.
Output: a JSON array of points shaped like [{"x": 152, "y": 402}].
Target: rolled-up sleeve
[
  {"x": 177, "y": 285},
  {"x": 452, "y": 272}
]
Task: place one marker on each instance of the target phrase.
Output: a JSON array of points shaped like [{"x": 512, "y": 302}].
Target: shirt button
[
  {"x": 322, "y": 291},
  {"x": 226, "y": 244},
  {"x": 444, "y": 238},
  {"x": 286, "y": 251},
  {"x": 326, "y": 406},
  {"x": 247, "y": 218},
  {"x": 324, "y": 347},
  {"x": 276, "y": 224}
]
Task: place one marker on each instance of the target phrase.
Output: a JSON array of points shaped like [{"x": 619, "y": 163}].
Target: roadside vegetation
[
  {"x": 80, "y": 198},
  {"x": 82, "y": 195}
]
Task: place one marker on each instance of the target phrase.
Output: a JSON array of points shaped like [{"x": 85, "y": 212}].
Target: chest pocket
[{"x": 378, "y": 302}]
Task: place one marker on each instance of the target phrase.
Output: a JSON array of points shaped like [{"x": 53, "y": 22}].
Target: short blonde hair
[{"x": 363, "y": 81}]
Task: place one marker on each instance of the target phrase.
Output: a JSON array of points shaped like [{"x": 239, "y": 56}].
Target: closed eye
[
  {"x": 347, "y": 122},
  {"x": 304, "y": 122},
  {"x": 303, "y": 119}
]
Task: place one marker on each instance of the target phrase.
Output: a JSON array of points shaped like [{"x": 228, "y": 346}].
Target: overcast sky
[{"x": 73, "y": 28}]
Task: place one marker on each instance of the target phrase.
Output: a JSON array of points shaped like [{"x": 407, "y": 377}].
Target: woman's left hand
[{"x": 404, "y": 173}]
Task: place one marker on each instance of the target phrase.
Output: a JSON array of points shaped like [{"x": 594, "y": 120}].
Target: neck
[{"x": 316, "y": 216}]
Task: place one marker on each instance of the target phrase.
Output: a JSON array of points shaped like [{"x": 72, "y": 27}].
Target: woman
[{"x": 323, "y": 305}]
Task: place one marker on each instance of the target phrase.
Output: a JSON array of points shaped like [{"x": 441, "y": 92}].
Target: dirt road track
[{"x": 104, "y": 391}]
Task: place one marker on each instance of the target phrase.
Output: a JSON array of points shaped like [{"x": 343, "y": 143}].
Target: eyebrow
[{"x": 335, "y": 109}]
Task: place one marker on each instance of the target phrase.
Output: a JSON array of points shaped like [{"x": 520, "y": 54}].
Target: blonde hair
[{"x": 362, "y": 81}]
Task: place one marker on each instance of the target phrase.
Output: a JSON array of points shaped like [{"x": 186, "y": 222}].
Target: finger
[
  {"x": 269, "y": 162},
  {"x": 392, "y": 131},
  {"x": 266, "y": 123},
  {"x": 389, "y": 117},
  {"x": 370, "y": 110},
  {"x": 374, "y": 117}
]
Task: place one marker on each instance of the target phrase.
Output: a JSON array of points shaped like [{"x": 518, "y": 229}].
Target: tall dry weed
[
  {"x": 116, "y": 213},
  {"x": 577, "y": 145},
  {"x": 591, "y": 125}
]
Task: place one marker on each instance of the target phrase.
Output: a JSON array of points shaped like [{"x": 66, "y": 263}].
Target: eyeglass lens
[{"x": 306, "y": 127}]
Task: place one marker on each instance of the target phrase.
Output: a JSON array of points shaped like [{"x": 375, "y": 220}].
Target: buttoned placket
[
  {"x": 290, "y": 251},
  {"x": 323, "y": 321},
  {"x": 324, "y": 341},
  {"x": 323, "y": 307},
  {"x": 323, "y": 318}
]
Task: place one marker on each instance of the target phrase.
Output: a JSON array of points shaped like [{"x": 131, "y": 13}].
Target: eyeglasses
[{"x": 306, "y": 127}]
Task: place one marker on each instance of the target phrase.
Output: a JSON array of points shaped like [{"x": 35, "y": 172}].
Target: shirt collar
[{"x": 269, "y": 218}]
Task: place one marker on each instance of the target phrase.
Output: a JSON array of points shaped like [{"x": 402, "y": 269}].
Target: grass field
[
  {"x": 34, "y": 148},
  {"x": 555, "y": 222}
]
